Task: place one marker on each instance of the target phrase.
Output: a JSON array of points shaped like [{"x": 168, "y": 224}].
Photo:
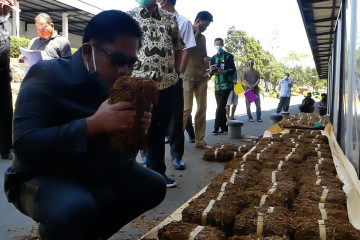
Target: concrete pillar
[
  {"x": 16, "y": 20},
  {"x": 65, "y": 25}
]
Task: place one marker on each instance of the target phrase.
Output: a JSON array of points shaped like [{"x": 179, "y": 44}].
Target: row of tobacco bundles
[
  {"x": 301, "y": 120},
  {"x": 282, "y": 187}
]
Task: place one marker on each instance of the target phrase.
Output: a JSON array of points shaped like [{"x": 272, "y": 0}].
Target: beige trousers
[{"x": 199, "y": 90}]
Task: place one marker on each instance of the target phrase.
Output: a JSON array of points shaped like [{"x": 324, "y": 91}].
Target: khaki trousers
[{"x": 199, "y": 90}]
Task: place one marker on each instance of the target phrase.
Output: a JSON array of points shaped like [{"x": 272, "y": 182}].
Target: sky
[{"x": 277, "y": 24}]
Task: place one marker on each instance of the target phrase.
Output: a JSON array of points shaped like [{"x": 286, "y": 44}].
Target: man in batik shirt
[{"x": 160, "y": 58}]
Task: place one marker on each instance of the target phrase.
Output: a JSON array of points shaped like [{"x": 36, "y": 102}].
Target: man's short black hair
[
  {"x": 219, "y": 39},
  {"x": 173, "y": 2},
  {"x": 204, "y": 16},
  {"x": 287, "y": 74},
  {"x": 107, "y": 25}
]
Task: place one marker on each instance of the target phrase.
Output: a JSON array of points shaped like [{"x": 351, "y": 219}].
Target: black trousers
[
  {"x": 6, "y": 114},
  {"x": 72, "y": 210},
  {"x": 160, "y": 121},
  {"x": 283, "y": 104},
  {"x": 176, "y": 124},
  {"x": 189, "y": 127},
  {"x": 220, "y": 117}
]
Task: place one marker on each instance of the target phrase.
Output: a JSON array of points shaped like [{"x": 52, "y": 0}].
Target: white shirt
[
  {"x": 285, "y": 87},
  {"x": 186, "y": 31}
]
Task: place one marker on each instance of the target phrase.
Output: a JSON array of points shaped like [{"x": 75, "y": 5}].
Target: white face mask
[
  {"x": 4, "y": 18},
  {"x": 286, "y": 77},
  {"x": 162, "y": 3},
  {"x": 93, "y": 60}
]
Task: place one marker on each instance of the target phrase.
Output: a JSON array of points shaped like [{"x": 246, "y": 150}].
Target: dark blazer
[{"x": 50, "y": 127}]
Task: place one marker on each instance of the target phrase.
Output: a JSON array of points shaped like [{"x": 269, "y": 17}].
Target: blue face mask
[
  {"x": 144, "y": 3},
  {"x": 218, "y": 48}
]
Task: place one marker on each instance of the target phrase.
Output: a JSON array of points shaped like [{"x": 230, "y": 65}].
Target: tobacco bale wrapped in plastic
[
  {"x": 315, "y": 230},
  {"x": 319, "y": 140},
  {"x": 322, "y": 194},
  {"x": 280, "y": 194},
  {"x": 314, "y": 170},
  {"x": 280, "y": 165},
  {"x": 321, "y": 154},
  {"x": 233, "y": 163},
  {"x": 228, "y": 147},
  {"x": 184, "y": 230},
  {"x": 228, "y": 175},
  {"x": 218, "y": 212},
  {"x": 218, "y": 155},
  {"x": 254, "y": 237},
  {"x": 315, "y": 210},
  {"x": 274, "y": 175},
  {"x": 290, "y": 135},
  {"x": 321, "y": 164},
  {"x": 312, "y": 179},
  {"x": 306, "y": 131},
  {"x": 265, "y": 221},
  {"x": 294, "y": 158},
  {"x": 143, "y": 92}
]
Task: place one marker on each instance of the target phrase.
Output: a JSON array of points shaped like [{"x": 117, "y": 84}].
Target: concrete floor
[{"x": 198, "y": 173}]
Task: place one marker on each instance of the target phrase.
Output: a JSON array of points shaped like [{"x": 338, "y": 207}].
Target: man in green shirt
[{"x": 223, "y": 67}]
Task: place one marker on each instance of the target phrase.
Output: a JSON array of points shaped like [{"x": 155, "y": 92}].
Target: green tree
[{"x": 244, "y": 47}]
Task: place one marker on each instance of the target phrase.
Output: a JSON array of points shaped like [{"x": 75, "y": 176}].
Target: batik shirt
[
  {"x": 161, "y": 38},
  {"x": 224, "y": 61}
]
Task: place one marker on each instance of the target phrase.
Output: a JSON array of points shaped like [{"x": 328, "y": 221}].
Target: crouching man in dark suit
[{"x": 64, "y": 175}]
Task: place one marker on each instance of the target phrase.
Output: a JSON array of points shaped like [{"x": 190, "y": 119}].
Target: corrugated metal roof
[
  {"x": 319, "y": 17},
  {"x": 79, "y": 12}
]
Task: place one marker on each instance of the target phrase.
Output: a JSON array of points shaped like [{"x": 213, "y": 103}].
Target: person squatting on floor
[
  {"x": 64, "y": 174},
  {"x": 223, "y": 67},
  {"x": 307, "y": 104}
]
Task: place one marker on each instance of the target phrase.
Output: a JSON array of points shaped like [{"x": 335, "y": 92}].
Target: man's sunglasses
[{"x": 118, "y": 59}]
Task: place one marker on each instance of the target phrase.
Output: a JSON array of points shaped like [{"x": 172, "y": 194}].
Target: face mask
[
  {"x": 4, "y": 18},
  {"x": 286, "y": 77},
  {"x": 162, "y": 3},
  {"x": 144, "y": 3},
  {"x": 218, "y": 48}
]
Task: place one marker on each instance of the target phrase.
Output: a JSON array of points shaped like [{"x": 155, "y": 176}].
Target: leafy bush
[
  {"x": 295, "y": 94},
  {"x": 16, "y": 43}
]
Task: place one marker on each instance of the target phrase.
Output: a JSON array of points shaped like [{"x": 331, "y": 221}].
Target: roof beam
[
  {"x": 319, "y": 8},
  {"x": 325, "y": 33},
  {"x": 51, "y": 10},
  {"x": 325, "y": 50},
  {"x": 324, "y": 55},
  {"x": 324, "y": 43},
  {"x": 323, "y": 20},
  {"x": 315, "y": 1}
]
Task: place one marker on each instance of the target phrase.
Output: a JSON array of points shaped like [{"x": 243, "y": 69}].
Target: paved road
[{"x": 14, "y": 225}]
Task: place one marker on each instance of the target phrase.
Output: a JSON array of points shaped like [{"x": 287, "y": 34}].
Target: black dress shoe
[{"x": 215, "y": 132}]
